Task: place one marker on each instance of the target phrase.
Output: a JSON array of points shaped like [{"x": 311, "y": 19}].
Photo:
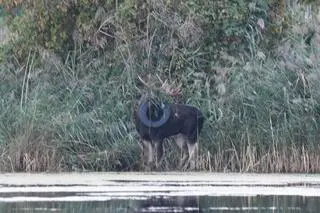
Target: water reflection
[{"x": 174, "y": 204}]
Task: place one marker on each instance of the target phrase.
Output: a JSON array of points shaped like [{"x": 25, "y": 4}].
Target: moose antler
[
  {"x": 143, "y": 82},
  {"x": 169, "y": 89}
]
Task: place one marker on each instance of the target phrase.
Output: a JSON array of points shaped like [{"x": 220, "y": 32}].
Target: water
[
  {"x": 159, "y": 193},
  {"x": 186, "y": 204}
]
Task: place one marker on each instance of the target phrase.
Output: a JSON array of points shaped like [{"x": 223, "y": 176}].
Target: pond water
[
  {"x": 159, "y": 192},
  {"x": 190, "y": 204}
]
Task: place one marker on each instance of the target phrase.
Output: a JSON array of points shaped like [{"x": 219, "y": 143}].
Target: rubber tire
[{"x": 154, "y": 124}]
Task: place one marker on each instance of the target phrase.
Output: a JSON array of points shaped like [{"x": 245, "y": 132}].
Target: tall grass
[
  {"x": 75, "y": 119},
  {"x": 264, "y": 120},
  {"x": 269, "y": 122}
]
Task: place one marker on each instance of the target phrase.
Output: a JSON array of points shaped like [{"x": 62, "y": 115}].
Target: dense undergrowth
[{"x": 66, "y": 102}]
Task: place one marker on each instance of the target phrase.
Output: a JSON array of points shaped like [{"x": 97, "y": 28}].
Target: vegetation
[{"x": 71, "y": 74}]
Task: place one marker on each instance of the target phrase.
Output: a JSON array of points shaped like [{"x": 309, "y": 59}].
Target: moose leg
[
  {"x": 193, "y": 154},
  {"x": 181, "y": 142},
  {"x": 147, "y": 154},
  {"x": 158, "y": 151}
]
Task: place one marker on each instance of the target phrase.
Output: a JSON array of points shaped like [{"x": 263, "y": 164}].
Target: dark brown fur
[{"x": 185, "y": 123}]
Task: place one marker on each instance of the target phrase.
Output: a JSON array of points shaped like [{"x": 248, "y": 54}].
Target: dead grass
[
  {"x": 291, "y": 160},
  {"x": 30, "y": 153}
]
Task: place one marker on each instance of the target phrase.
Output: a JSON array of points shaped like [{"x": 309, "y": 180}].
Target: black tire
[{"x": 142, "y": 113}]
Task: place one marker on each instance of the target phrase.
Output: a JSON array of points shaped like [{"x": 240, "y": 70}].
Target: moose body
[{"x": 184, "y": 124}]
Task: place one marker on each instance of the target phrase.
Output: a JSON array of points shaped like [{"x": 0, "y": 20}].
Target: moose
[{"x": 157, "y": 120}]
